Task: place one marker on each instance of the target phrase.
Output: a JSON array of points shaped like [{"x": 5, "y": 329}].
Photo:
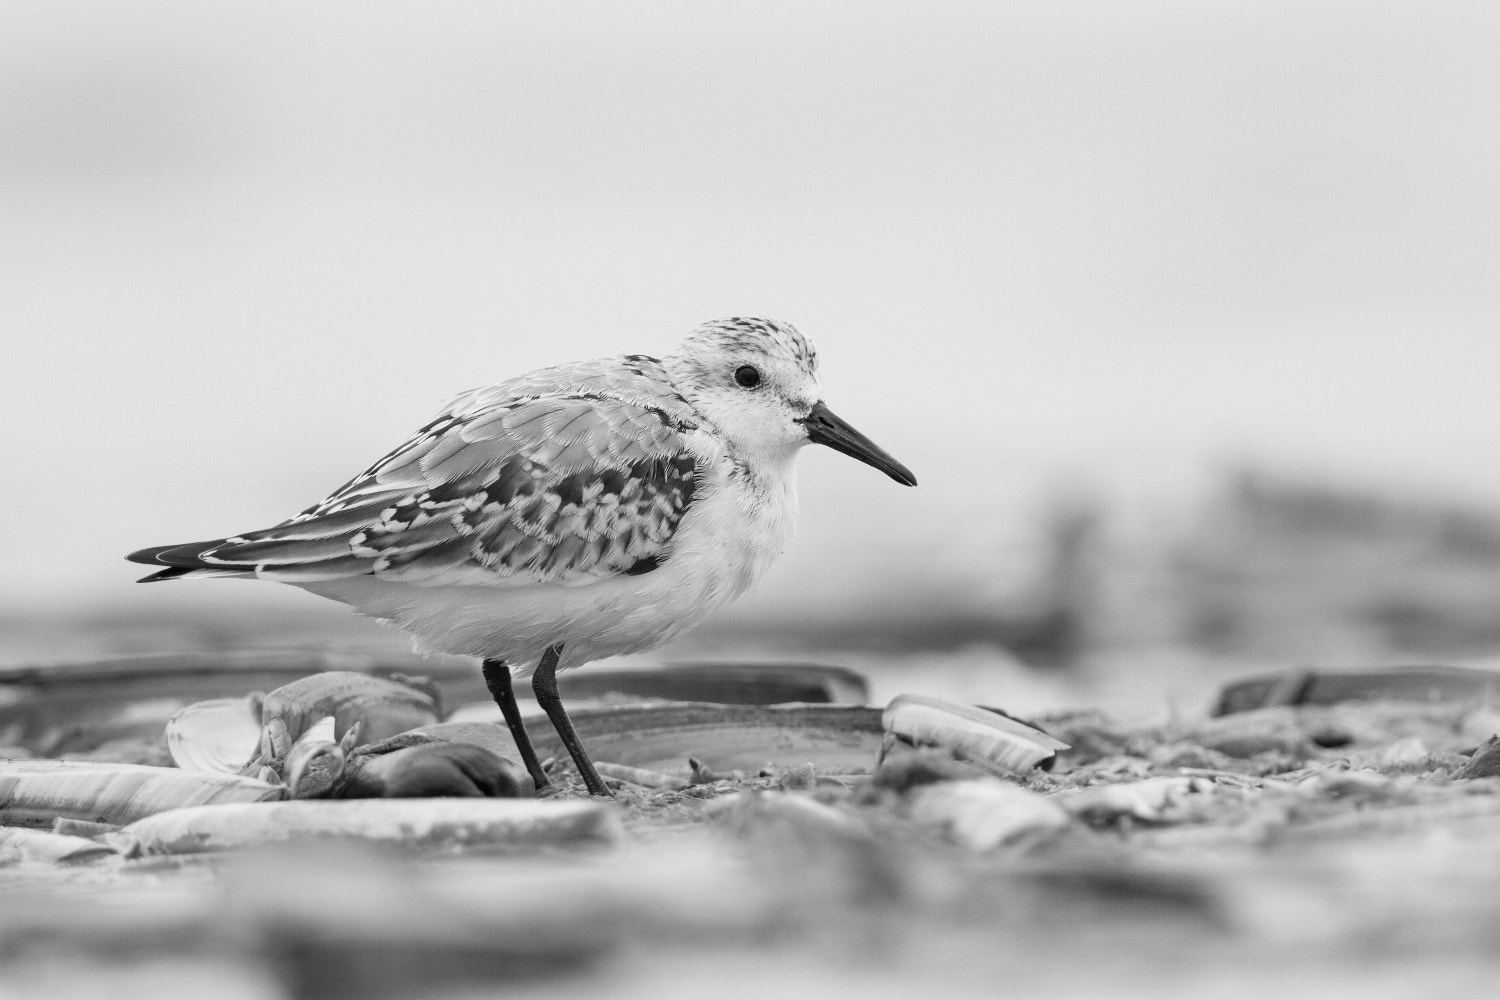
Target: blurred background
[{"x": 1183, "y": 314}]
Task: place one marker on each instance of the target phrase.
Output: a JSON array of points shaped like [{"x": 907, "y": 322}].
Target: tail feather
[
  {"x": 311, "y": 546},
  {"x": 180, "y": 560},
  {"x": 289, "y": 561},
  {"x": 182, "y": 556}
]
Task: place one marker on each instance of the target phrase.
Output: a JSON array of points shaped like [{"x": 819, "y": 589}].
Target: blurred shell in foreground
[
  {"x": 413, "y": 823},
  {"x": 984, "y": 814},
  {"x": 36, "y": 792},
  {"x": 39, "y": 846}
]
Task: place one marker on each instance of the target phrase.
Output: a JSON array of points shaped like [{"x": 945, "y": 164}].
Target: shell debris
[
  {"x": 978, "y": 735},
  {"x": 218, "y": 736},
  {"x": 415, "y": 823},
  {"x": 984, "y": 813},
  {"x": 37, "y": 792},
  {"x": 40, "y": 846}
]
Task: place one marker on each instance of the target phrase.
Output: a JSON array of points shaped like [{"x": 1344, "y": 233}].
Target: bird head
[{"x": 757, "y": 381}]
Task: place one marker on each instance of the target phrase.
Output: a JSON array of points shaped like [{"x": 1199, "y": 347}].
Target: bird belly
[{"x": 717, "y": 553}]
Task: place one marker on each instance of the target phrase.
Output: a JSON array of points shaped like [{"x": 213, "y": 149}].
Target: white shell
[
  {"x": 1147, "y": 800},
  {"x": 639, "y": 776},
  {"x": 315, "y": 761},
  {"x": 980, "y": 736},
  {"x": 985, "y": 813},
  {"x": 35, "y": 792},
  {"x": 218, "y": 736},
  {"x": 49, "y": 848},
  {"x": 471, "y": 823}
]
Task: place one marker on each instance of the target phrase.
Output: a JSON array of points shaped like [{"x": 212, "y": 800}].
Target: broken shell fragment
[
  {"x": 724, "y": 738},
  {"x": 218, "y": 736},
  {"x": 37, "y": 792},
  {"x": 316, "y": 760},
  {"x": 493, "y": 736},
  {"x": 48, "y": 848},
  {"x": 1150, "y": 800},
  {"x": 982, "y": 814},
  {"x": 987, "y": 738},
  {"x": 1484, "y": 762},
  {"x": 425, "y": 823},
  {"x": 432, "y": 770},
  {"x": 640, "y": 776},
  {"x": 380, "y": 707}
]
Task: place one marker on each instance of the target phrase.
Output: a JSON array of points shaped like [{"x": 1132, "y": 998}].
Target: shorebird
[{"x": 576, "y": 512}]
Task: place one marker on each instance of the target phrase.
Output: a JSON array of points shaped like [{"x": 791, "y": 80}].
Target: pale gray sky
[{"x": 245, "y": 248}]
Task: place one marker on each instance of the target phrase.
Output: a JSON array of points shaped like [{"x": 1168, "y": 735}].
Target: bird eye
[{"x": 747, "y": 376}]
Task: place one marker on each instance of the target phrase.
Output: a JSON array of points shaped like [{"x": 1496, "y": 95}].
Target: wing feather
[{"x": 567, "y": 476}]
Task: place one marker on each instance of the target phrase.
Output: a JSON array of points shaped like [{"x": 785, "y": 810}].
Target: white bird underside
[{"x": 589, "y": 505}]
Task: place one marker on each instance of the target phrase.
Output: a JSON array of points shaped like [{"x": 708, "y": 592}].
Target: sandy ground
[{"x": 1337, "y": 851}]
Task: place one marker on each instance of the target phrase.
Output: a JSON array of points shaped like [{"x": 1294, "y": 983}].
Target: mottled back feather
[{"x": 566, "y": 475}]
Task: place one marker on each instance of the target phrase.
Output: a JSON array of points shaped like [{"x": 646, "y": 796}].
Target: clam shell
[
  {"x": 382, "y": 707},
  {"x": 836, "y": 739},
  {"x": 979, "y": 735},
  {"x": 36, "y": 792},
  {"x": 48, "y": 848},
  {"x": 1150, "y": 799},
  {"x": 417, "y": 823},
  {"x": 639, "y": 776},
  {"x": 731, "y": 683},
  {"x": 435, "y": 769},
  {"x": 983, "y": 814},
  {"x": 314, "y": 762},
  {"x": 218, "y": 736},
  {"x": 57, "y": 708}
]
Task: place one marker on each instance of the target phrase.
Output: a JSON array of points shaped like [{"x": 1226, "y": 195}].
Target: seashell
[
  {"x": 1147, "y": 800},
  {"x": 420, "y": 823},
  {"x": 1302, "y": 686},
  {"x": 382, "y": 707},
  {"x": 56, "y": 708},
  {"x": 752, "y": 813},
  {"x": 433, "y": 769},
  {"x": 81, "y": 828},
  {"x": 661, "y": 736},
  {"x": 315, "y": 762},
  {"x": 1484, "y": 762},
  {"x": 834, "y": 738},
  {"x": 639, "y": 776},
  {"x": 983, "y": 814},
  {"x": 408, "y": 765},
  {"x": 493, "y": 736},
  {"x": 75, "y": 707},
  {"x": 1352, "y": 786},
  {"x": 720, "y": 683},
  {"x": 49, "y": 848},
  {"x": 983, "y": 737},
  {"x": 37, "y": 792},
  {"x": 218, "y": 736}
]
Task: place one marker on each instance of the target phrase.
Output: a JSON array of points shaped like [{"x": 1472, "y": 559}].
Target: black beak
[{"x": 825, "y": 427}]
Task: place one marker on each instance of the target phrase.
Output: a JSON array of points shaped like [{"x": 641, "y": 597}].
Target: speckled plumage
[{"x": 605, "y": 505}]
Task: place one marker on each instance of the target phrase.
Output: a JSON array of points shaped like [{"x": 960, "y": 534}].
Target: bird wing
[{"x": 567, "y": 487}]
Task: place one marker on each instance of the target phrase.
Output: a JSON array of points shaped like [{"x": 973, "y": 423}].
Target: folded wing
[{"x": 563, "y": 489}]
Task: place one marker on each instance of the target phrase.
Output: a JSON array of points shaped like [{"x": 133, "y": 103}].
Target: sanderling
[{"x": 576, "y": 512}]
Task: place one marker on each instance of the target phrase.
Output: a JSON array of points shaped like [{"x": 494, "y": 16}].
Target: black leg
[
  {"x": 497, "y": 678},
  {"x": 544, "y": 683}
]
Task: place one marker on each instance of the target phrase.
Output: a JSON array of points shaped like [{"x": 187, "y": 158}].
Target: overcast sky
[{"x": 246, "y": 248}]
